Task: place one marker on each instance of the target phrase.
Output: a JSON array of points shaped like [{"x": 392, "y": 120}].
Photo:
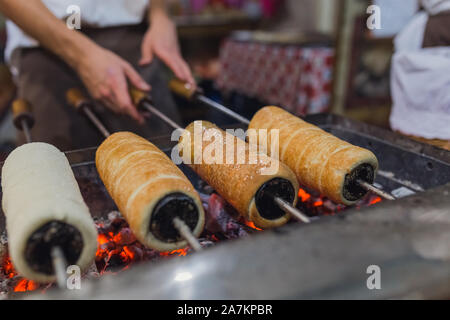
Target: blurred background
[{"x": 308, "y": 56}]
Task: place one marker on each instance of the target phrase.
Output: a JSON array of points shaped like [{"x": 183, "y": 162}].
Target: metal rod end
[
  {"x": 59, "y": 266},
  {"x": 186, "y": 233},
  {"x": 288, "y": 208},
  {"x": 377, "y": 191}
]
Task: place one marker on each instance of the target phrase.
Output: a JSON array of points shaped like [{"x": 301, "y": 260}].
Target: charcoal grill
[{"x": 409, "y": 239}]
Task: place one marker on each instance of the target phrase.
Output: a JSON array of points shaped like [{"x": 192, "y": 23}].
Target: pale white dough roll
[{"x": 42, "y": 202}]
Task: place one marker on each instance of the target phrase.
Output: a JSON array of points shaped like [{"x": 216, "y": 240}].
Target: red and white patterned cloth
[{"x": 297, "y": 78}]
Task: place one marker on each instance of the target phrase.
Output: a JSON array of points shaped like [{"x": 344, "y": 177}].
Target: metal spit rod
[
  {"x": 223, "y": 109},
  {"x": 23, "y": 117},
  {"x": 186, "y": 233},
  {"x": 188, "y": 92},
  {"x": 375, "y": 190},
  {"x": 59, "y": 266},
  {"x": 24, "y": 121},
  {"x": 76, "y": 98},
  {"x": 286, "y": 207},
  {"x": 98, "y": 124},
  {"x": 160, "y": 115},
  {"x": 26, "y": 131}
]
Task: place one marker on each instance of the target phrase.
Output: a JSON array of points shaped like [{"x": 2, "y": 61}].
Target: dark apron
[
  {"x": 437, "y": 32},
  {"x": 44, "y": 78}
]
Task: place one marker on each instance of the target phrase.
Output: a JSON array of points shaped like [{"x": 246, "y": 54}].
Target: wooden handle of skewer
[
  {"x": 137, "y": 95},
  {"x": 182, "y": 89},
  {"x": 22, "y": 111},
  {"x": 76, "y": 98}
]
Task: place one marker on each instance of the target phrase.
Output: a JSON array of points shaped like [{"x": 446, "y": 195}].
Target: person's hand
[
  {"x": 161, "y": 40},
  {"x": 106, "y": 77}
]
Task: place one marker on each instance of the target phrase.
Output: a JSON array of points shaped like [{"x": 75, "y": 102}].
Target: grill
[{"x": 408, "y": 239}]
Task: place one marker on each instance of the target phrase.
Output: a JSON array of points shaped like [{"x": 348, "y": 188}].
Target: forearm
[{"x": 33, "y": 17}]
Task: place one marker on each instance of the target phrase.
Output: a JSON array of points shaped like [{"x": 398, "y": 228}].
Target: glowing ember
[
  {"x": 303, "y": 195},
  {"x": 179, "y": 252},
  {"x": 375, "y": 201},
  {"x": 8, "y": 268},
  {"x": 251, "y": 225},
  {"x": 26, "y": 285},
  {"x": 118, "y": 248},
  {"x": 8, "y": 272},
  {"x": 128, "y": 253},
  {"x": 317, "y": 205}
]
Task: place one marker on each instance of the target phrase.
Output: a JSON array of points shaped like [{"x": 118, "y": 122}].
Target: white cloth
[
  {"x": 420, "y": 80},
  {"x": 97, "y": 13},
  {"x": 436, "y": 6}
]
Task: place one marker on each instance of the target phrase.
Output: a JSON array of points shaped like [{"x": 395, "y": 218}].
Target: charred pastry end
[
  {"x": 352, "y": 190},
  {"x": 173, "y": 205},
  {"x": 55, "y": 233},
  {"x": 278, "y": 187}
]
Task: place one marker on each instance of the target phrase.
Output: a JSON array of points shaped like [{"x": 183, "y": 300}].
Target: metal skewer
[
  {"x": 24, "y": 121},
  {"x": 23, "y": 117},
  {"x": 59, "y": 266},
  {"x": 375, "y": 190},
  {"x": 287, "y": 207},
  {"x": 144, "y": 101},
  {"x": 223, "y": 109},
  {"x": 26, "y": 130},
  {"x": 76, "y": 98},
  {"x": 186, "y": 233},
  {"x": 160, "y": 115},
  {"x": 88, "y": 112},
  {"x": 188, "y": 92}
]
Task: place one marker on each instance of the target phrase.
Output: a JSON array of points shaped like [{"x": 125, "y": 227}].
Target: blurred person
[
  {"x": 114, "y": 48},
  {"x": 420, "y": 80}
]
